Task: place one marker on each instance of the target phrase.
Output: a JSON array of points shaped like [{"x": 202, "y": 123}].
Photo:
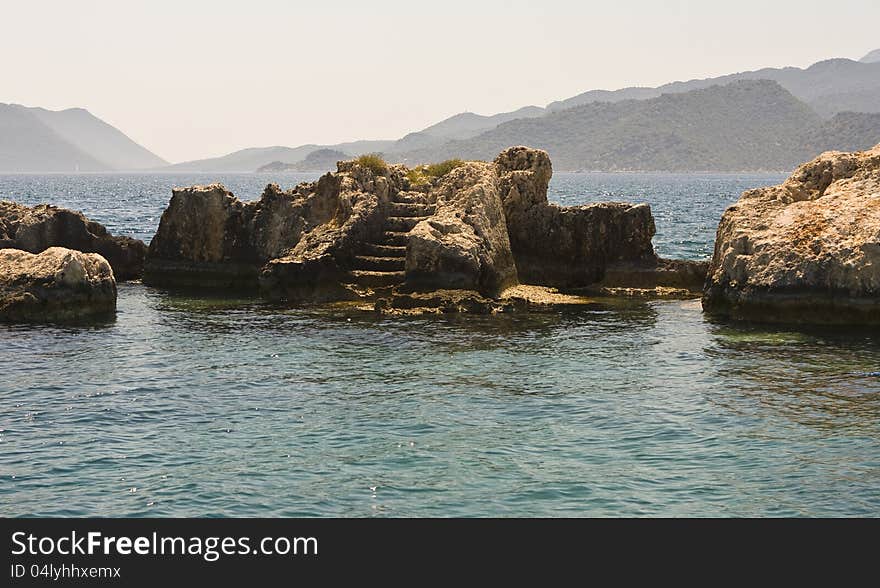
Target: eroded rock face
[
  {"x": 566, "y": 247},
  {"x": 314, "y": 269},
  {"x": 806, "y": 251},
  {"x": 464, "y": 244},
  {"x": 209, "y": 238},
  {"x": 54, "y": 285},
  {"x": 37, "y": 228}
]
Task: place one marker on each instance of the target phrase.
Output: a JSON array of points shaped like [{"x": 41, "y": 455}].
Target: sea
[{"x": 216, "y": 406}]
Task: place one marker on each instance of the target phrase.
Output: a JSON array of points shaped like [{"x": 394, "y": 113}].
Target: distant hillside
[
  {"x": 847, "y": 131},
  {"x": 320, "y": 160},
  {"x": 39, "y": 140},
  {"x": 248, "y": 160},
  {"x": 831, "y": 86},
  {"x": 104, "y": 142},
  {"x": 650, "y": 130},
  {"x": 872, "y": 57},
  {"x": 746, "y": 125},
  {"x": 468, "y": 124},
  {"x": 28, "y": 145},
  {"x": 460, "y": 126}
]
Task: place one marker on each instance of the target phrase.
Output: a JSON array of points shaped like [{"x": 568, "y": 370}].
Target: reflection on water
[{"x": 196, "y": 406}]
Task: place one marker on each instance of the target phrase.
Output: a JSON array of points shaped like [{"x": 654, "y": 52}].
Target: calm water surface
[{"x": 203, "y": 406}]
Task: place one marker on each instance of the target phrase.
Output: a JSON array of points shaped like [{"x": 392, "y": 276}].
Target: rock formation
[
  {"x": 57, "y": 284},
  {"x": 371, "y": 229},
  {"x": 571, "y": 246},
  {"x": 806, "y": 251},
  {"x": 464, "y": 244},
  {"x": 319, "y": 266},
  {"x": 37, "y": 228}
]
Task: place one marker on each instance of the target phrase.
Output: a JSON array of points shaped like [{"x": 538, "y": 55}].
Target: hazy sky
[{"x": 192, "y": 79}]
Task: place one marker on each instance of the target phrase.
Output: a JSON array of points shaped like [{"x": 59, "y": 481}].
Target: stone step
[
  {"x": 382, "y": 264},
  {"x": 374, "y": 279},
  {"x": 410, "y": 198},
  {"x": 403, "y": 224},
  {"x": 411, "y": 209},
  {"x": 378, "y": 250},
  {"x": 395, "y": 238}
]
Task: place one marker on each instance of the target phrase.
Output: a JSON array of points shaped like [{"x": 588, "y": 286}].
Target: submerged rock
[
  {"x": 37, "y": 228},
  {"x": 57, "y": 284},
  {"x": 806, "y": 251},
  {"x": 572, "y": 246},
  {"x": 654, "y": 278}
]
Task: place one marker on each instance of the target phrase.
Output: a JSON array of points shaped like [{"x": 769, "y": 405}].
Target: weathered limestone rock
[
  {"x": 209, "y": 238},
  {"x": 370, "y": 230},
  {"x": 806, "y": 251},
  {"x": 201, "y": 241},
  {"x": 315, "y": 268},
  {"x": 655, "y": 278},
  {"x": 57, "y": 284},
  {"x": 566, "y": 247},
  {"x": 464, "y": 244},
  {"x": 37, "y": 228}
]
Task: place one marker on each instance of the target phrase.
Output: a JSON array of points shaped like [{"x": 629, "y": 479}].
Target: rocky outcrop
[
  {"x": 37, "y": 228},
  {"x": 566, "y": 247},
  {"x": 464, "y": 244},
  {"x": 55, "y": 285},
  {"x": 209, "y": 238},
  {"x": 317, "y": 268},
  {"x": 372, "y": 230},
  {"x": 806, "y": 251}
]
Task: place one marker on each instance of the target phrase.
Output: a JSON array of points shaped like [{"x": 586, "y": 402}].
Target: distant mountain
[
  {"x": 28, "y": 145},
  {"x": 872, "y": 57},
  {"x": 320, "y": 160},
  {"x": 846, "y": 131},
  {"x": 745, "y": 125},
  {"x": 460, "y": 126},
  {"x": 829, "y": 87},
  {"x": 104, "y": 142},
  {"x": 265, "y": 159},
  {"x": 729, "y": 129},
  {"x": 40, "y": 140},
  {"x": 248, "y": 160},
  {"x": 468, "y": 124}
]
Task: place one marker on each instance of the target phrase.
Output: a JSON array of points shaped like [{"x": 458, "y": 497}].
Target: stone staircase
[{"x": 379, "y": 266}]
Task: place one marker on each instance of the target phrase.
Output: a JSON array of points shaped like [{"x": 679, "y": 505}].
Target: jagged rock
[
  {"x": 464, "y": 244},
  {"x": 806, "y": 251},
  {"x": 209, "y": 238},
  {"x": 571, "y": 246},
  {"x": 56, "y": 284},
  {"x": 316, "y": 268},
  {"x": 35, "y": 229}
]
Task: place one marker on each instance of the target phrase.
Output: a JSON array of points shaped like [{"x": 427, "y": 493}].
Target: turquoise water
[{"x": 193, "y": 406}]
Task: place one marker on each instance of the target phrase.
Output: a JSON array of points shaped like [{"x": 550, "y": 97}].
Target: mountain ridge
[
  {"x": 814, "y": 84},
  {"x": 743, "y": 125},
  {"x": 36, "y": 139}
]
